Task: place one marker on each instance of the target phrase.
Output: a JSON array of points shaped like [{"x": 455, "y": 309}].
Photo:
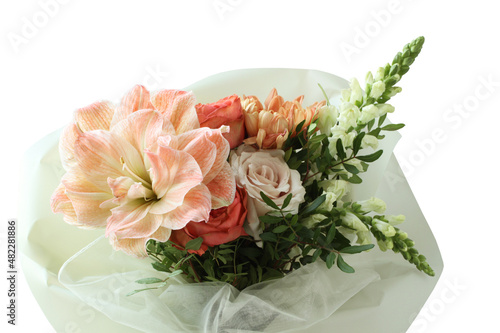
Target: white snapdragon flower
[
  {"x": 369, "y": 141},
  {"x": 348, "y": 115},
  {"x": 338, "y": 187},
  {"x": 384, "y": 227},
  {"x": 353, "y": 223},
  {"x": 373, "y": 205},
  {"x": 385, "y": 108},
  {"x": 312, "y": 220},
  {"x": 395, "y": 219},
  {"x": 327, "y": 118},
  {"x": 338, "y": 132},
  {"x": 378, "y": 89},
  {"x": 356, "y": 92},
  {"x": 368, "y": 113},
  {"x": 369, "y": 78}
]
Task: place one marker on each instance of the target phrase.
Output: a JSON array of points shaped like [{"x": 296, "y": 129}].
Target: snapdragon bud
[
  {"x": 379, "y": 74},
  {"x": 312, "y": 220},
  {"x": 385, "y": 108},
  {"x": 356, "y": 92},
  {"x": 369, "y": 78}
]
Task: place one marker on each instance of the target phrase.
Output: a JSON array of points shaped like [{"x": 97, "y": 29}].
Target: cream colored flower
[{"x": 265, "y": 171}]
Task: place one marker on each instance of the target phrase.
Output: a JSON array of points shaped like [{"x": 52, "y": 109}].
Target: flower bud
[
  {"x": 385, "y": 108},
  {"x": 351, "y": 221},
  {"x": 356, "y": 92},
  {"x": 312, "y": 220},
  {"x": 369, "y": 141}
]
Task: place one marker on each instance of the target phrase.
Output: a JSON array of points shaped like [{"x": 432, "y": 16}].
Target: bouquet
[{"x": 239, "y": 191}]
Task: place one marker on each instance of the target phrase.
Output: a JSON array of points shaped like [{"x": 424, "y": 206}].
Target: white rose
[{"x": 266, "y": 171}]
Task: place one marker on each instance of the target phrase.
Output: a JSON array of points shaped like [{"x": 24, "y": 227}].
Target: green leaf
[
  {"x": 357, "y": 248},
  {"x": 317, "y": 138},
  {"x": 344, "y": 267},
  {"x": 340, "y": 149},
  {"x": 288, "y": 153},
  {"x": 139, "y": 290},
  {"x": 287, "y": 201},
  {"x": 372, "y": 157},
  {"x": 351, "y": 168},
  {"x": 194, "y": 244},
  {"x": 316, "y": 255},
  {"x": 331, "y": 234},
  {"x": 160, "y": 267},
  {"x": 299, "y": 126},
  {"x": 268, "y": 201},
  {"x": 315, "y": 204},
  {"x": 357, "y": 142},
  {"x": 269, "y": 237},
  {"x": 330, "y": 260},
  {"x": 381, "y": 119},
  {"x": 149, "y": 280},
  {"x": 269, "y": 219},
  {"x": 392, "y": 127},
  {"x": 279, "y": 229}
]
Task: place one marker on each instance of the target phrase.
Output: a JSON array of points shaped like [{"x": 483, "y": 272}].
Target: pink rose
[
  {"x": 224, "y": 225},
  {"x": 227, "y": 111}
]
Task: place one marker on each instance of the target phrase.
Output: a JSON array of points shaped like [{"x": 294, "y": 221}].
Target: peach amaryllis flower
[
  {"x": 143, "y": 169},
  {"x": 268, "y": 126}
]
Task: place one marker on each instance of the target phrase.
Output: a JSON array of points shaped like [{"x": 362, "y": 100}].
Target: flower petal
[
  {"x": 102, "y": 154},
  {"x": 125, "y": 216},
  {"x": 197, "y": 143},
  {"x": 137, "y": 246},
  {"x": 143, "y": 228},
  {"x": 142, "y": 129},
  {"x": 95, "y": 116},
  {"x": 178, "y": 107},
  {"x": 196, "y": 207},
  {"x": 60, "y": 203},
  {"x": 86, "y": 199},
  {"x": 174, "y": 173},
  {"x": 222, "y": 187},
  {"x": 67, "y": 145},
  {"x": 136, "y": 99},
  {"x": 223, "y": 149}
]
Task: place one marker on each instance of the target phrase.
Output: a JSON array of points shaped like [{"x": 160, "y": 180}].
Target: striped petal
[
  {"x": 102, "y": 154},
  {"x": 136, "y": 99},
  {"x": 67, "y": 145},
  {"x": 60, "y": 203},
  {"x": 125, "y": 216},
  {"x": 222, "y": 188},
  {"x": 178, "y": 107},
  {"x": 142, "y": 129},
  {"x": 137, "y": 246},
  {"x": 173, "y": 173},
  {"x": 95, "y": 116},
  {"x": 196, "y": 207},
  {"x": 86, "y": 199},
  {"x": 197, "y": 143}
]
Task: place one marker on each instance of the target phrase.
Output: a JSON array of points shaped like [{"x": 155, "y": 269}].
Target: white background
[{"x": 59, "y": 57}]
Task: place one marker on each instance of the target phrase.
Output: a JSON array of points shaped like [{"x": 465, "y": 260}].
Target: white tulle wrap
[{"x": 81, "y": 283}]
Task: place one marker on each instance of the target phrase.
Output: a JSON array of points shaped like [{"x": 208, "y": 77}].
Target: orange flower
[{"x": 268, "y": 126}]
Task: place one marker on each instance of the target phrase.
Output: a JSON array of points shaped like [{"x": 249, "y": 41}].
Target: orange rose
[
  {"x": 226, "y": 111},
  {"x": 224, "y": 225}
]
